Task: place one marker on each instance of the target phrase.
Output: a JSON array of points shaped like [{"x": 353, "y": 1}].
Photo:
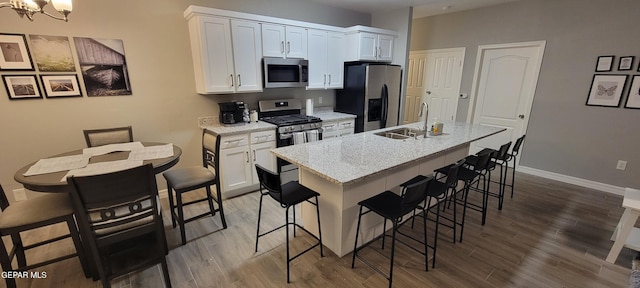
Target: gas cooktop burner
[{"x": 294, "y": 119}]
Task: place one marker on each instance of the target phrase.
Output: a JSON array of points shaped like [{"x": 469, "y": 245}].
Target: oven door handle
[
  {"x": 286, "y": 135},
  {"x": 289, "y": 135}
]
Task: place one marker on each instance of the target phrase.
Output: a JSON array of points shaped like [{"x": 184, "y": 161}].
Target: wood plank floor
[{"x": 550, "y": 234}]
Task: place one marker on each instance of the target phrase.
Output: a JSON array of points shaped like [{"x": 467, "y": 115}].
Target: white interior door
[
  {"x": 415, "y": 85},
  {"x": 503, "y": 89},
  {"x": 442, "y": 82}
]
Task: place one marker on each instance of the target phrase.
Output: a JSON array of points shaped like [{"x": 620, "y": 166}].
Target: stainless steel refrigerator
[{"x": 372, "y": 93}]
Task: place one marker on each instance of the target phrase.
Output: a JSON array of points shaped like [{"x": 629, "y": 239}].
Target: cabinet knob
[
  {"x": 329, "y": 79},
  {"x": 282, "y": 47},
  {"x": 288, "y": 47},
  {"x": 231, "y": 76},
  {"x": 239, "y": 81}
]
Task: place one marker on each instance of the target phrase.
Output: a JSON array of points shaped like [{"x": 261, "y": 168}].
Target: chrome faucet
[{"x": 426, "y": 117}]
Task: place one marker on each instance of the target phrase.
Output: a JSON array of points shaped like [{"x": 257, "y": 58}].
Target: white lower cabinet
[
  {"x": 332, "y": 129},
  {"x": 238, "y": 156}
]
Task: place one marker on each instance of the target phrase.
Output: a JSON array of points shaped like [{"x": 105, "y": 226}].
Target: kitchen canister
[
  {"x": 253, "y": 115},
  {"x": 309, "y": 107}
]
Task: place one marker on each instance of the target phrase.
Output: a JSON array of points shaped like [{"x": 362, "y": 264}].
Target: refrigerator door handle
[{"x": 385, "y": 106}]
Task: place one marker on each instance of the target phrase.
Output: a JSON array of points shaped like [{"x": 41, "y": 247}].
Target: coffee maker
[{"x": 232, "y": 112}]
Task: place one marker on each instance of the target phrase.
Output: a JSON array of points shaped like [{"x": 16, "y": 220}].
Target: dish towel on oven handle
[
  {"x": 312, "y": 135},
  {"x": 299, "y": 137}
]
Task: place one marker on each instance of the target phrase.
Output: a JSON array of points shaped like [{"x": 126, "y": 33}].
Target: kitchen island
[{"x": 349, "y": 169}]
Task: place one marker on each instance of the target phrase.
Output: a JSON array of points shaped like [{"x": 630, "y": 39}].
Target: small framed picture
[
  {"x": 21, "y": 86},
  {"x": 633, "y": 100},
  {"x": 626, "y": 63},
  {"x": 14, "y": 53},
  {"x": 61, "y": 85},
  {"x": 604, "y": 63},
  {"x": 606, "y": 90}
]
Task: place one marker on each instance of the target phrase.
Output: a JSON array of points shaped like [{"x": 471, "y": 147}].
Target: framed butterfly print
[
  {"x": 633, "y": 100},
  {"x": 606, "y": 90}
]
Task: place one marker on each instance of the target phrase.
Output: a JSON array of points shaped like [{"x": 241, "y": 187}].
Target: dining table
[{"x": 54, "y": 182}]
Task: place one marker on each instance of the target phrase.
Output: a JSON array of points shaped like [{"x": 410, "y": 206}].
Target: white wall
[
  {"x": 164, "y": 105},
  {"x": 564, "y": 135}
]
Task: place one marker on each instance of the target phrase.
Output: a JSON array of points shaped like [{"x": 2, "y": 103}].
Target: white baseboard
[{"x": 572, "y": 180}]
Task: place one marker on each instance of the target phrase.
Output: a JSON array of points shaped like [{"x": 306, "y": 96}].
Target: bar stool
[
  {"x": 471, "y": 175},
  {"x": 287, "y": 195},
  {"x": 183, "y": 180},
  {"x": 394, "y": 207},
  {"x": 515, "y": 151},
  {"x": 446, "y": 190},
  {"x": 498, "y": 158}
]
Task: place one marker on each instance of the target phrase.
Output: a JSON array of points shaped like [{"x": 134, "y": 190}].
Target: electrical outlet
[
  {"x": 320, "y": 100},
  {"x": 206, "y": 121},
  {"x": 621, "y": 165},
  {"x": 19, "y": 194}
]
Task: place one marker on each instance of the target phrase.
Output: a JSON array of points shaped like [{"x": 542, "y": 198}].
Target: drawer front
[
  {"x": 234, "y": 141},
  {"x": 263, "y": 136},
  {"x": 347, "y": 124},
  {"x": 329, "y": 126}
]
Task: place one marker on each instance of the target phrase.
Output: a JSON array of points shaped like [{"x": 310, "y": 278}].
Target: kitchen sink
[{"x": 401, "y": 133}]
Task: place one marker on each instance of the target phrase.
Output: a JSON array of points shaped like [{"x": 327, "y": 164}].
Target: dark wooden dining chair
[
  {"x": 99, "y": 137},
  {"x": 119, "y": 218},
  {"x": 30, "y": 214}
]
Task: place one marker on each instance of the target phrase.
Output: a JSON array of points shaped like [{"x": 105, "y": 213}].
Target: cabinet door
[
  {"x": 317, "y": 53},
  {"x": 260, "y": 155},
  {"x": 368, "y": 46},
  {"x": 247, "y": 55},
  {"x": 273, "y": 40},
  {"x": 335, "y": 59},
  {"x": 235, "y": 168},
  {"x": 385, "y": 48},
  {"x": 296, "y": 42},
  {"x": 212, "y": 54}
]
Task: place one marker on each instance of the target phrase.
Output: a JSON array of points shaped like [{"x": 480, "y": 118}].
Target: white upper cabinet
[
  {"x": 326, "y": 59},
  {"x": 369, "y": 44},
  {"x": 226, "y": 55},
  {"x": 247, "y": 55},
  {"x": 227, "y": 48},
  {"x": 284, "y": 41}
]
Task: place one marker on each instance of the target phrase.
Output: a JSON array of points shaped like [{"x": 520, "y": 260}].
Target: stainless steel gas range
[{"x": 293, "y": 127}]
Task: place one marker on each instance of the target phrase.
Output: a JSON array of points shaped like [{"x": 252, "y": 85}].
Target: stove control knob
[{"x": 302, "y": 127}]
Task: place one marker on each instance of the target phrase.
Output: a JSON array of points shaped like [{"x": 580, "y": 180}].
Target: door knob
[
  {"x": 521, "y": 116},
  {"x": 428, "y": 92}
]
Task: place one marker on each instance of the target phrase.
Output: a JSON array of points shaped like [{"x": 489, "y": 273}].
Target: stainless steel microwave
[{"x": 282, "y": 73}]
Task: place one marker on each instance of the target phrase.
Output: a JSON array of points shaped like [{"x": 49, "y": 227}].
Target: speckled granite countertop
[
  {"x": 329, "y": 115},
  {"x": 351, "y": 158},
  {"x": 231, "y": 129}
]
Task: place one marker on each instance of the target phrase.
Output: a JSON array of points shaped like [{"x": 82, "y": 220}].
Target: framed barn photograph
[
  {"x": 606, "y": 90},
  {"x": 14, "y": 53},
  {"x": 21, "y": 86},
  {"x": 103, "y": 66},
  {"x": 56, "y": 86}
]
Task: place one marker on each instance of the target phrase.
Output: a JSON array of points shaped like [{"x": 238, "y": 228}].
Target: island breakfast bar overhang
[{"x": 349, "y": 169}]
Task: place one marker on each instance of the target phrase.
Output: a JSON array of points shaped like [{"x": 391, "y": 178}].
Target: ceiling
[{"x": 422, "y": 8}]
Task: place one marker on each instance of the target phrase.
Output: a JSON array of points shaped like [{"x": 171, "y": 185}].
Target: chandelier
[{"x": 31, "y": 7}]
